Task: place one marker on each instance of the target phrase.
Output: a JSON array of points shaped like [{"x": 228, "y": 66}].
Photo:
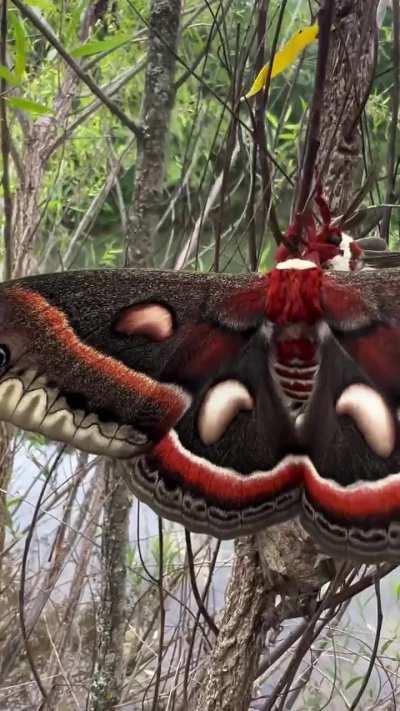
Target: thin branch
[
  {"x": 25, "y": 633},
  {"x": 313, "y": 139},
  {"x": 162, "y": 613},
  {"x": 379, "y": 620},
  {"x": 196, "y": 592},
  {"x": 110, "y": 90}
]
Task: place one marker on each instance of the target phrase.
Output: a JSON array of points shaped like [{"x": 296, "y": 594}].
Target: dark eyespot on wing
[{"x": 4, "y": 356}]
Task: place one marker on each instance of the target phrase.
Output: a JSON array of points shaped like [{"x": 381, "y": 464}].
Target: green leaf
[
  {"x": 96, "y": 46},
  {"x": 31, "y": 107},
  {"x": 353, "y": 681},
  {"x": 45, "y": 5},
  {"x": 14, "y": 501},
  {"x": 385, "y": 646},
  {"x": 7, "y": 75},
  {"x": 20, "y": 45}
]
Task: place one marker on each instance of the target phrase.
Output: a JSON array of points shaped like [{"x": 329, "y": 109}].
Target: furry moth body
[{"x": 241, "y": 401}]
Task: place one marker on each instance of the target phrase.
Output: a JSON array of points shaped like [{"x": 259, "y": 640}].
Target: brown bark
[
  {"x": 231, "y": 668},
  {"x": 159, "y": 94},
  {"x": 282, "y": 561},
  {"x": 109, "y": 672},
  {"x": 350, "y": 70},
  {"x": 27, "y": 212}
]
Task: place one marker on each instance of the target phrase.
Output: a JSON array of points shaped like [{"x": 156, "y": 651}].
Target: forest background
[{"x": 124, "y": 140}]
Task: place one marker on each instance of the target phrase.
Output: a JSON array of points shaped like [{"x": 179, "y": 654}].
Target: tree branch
[
  {"x": 313, "y": 137},
  {"x": 85, "y": 78}
]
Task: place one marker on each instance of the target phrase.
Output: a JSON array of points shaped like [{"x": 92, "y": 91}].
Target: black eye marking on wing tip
[{"x": 4, "y": 356}]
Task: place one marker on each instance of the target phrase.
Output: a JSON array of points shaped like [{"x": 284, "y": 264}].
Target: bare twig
[
  {"x": 24, "y": 631},
  {"x": 379, "y": 620},
  {"x": 195, "y": 589},
  {"x": 313, "y": 137}
]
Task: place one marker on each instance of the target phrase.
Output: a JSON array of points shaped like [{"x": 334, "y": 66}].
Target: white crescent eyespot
[
  {"x": 221, "y": 404},
  {"x": 371, "y": 415}
]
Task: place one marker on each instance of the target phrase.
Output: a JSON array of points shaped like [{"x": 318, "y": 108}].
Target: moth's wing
[
  {"x": 109, "y": 361},
  {"x": 231, "y": 478},
  {"x": 351, "y": 499},
  {"x": 363, "y": 313}
]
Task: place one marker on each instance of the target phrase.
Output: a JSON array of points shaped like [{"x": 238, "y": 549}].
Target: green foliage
[
  {"x": 98, "y": 46},
  {"x": 31, "y": 107},
  {"x": 199, "y": 131}
]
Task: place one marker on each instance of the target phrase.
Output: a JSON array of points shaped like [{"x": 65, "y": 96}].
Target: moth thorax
[
  {"x": 295, "y": 361},
  {"x": 293, "y": 293}
]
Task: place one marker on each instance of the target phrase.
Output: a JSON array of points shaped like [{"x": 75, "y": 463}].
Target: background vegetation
[{"x": 133, "y": 147}]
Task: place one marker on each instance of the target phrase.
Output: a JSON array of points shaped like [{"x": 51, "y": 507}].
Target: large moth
[{"x": 242, "y": 401}]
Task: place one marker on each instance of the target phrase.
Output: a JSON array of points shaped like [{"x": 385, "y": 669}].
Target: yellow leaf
[{"x": 285, "y": 57}]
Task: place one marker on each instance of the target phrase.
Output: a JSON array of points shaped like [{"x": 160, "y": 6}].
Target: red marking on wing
[
  {"x": 231, "y": 488},
  {"x": 47, "y": 317},
  {"x": 293, "y": 295},
  {"x": 342, "y": 303},
  {"x": 378, "y": 499},
  {"x": 221, "y": 484},
  {"x": 150, "y": 320},
  {"x": 202, "y": 349},
  {"x": 378, "y": 353},
  {"x": 246, "y": 304}
]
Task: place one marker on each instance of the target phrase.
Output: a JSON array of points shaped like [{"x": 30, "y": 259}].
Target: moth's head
[{"x": 315, "y": 237}]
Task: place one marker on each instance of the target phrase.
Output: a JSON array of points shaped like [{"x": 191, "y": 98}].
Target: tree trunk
[
  {"x": 159, "y": 94},
  {"x": 231, "y": 670},
  {"x": 276, "y": 575},
  {"x": 350, "y": 71},
  {"x": 109, "y": 671}
]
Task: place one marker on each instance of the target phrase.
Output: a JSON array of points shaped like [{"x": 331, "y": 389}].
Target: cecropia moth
[{"x": 242, "y": 401}]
